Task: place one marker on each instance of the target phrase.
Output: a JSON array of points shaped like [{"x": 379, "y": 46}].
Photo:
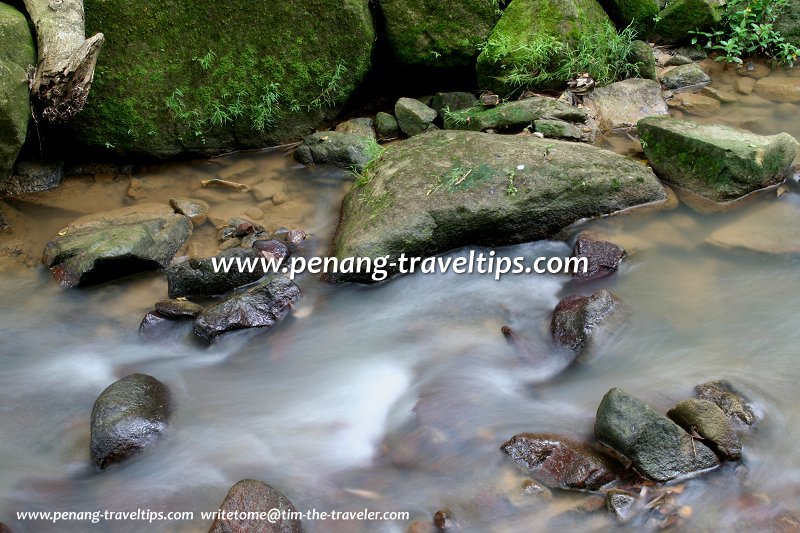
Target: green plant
[
  {"x": 511, "y": 189},
  {"x": 365, "y": 173},
  {"x": 460, "y": 178},
  {"x": 747, "y": 29},
  {"x": 453, "y": 119}
]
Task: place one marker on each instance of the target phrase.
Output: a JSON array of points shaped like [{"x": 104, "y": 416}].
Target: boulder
[
  {"x": 684, "y": 76},
  {"x": 17, "y": 53},
  {"x": 363, "y": 126},
  {"x": 256, "y": 499},
  {"x": 438, "y": 33},
  {"x": 558, "y": 129},
  {"x": 696, "y": 104},
  {"x": 456, "y": 101},
  {"x": 639, "y": 14},
  {"x": 446, "y": 189},
  {"x": 386, "y": 127},
  {"x": 778, "y": 88},
  {"x": 559, "y": 462},
  {"x": 261, "y": 306},
  {"x": 198, "y": 277},
  {"x": 603, "y": 257},
  {"x": 643, "y": 58},
  {"x": 622, "y": 104},
  {"x": 682, "y": 16},
  {"x": 729, "y": 399},
  {"x": 413, "y": 116},
  {"x": 182, "y": 77},
  {"x": 514, "y": 116},
  {"x": 128, "y": 416},
  {"x": 535, "y": 25},
  {"x": 714, "y": 161},
  {"x": 657, "y": 446},
  {"x": 196, "y": 210},
  {"x": 32, "y": 176},
  {"x": 576, "y": 317},
  {"x": 345, "y": 150},
  {"x": 706, "y": 419},
  {"x": 115, "y": 244}
]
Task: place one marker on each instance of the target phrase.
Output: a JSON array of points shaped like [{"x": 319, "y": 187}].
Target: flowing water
[{"x": 394, "y": 397}]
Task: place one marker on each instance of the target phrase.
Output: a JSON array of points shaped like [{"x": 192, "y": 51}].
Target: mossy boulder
[
  {"x": 718, "y": 162},
  {"x": 682, "y": 16},
  {"x": 526, "y": 35},
  {"x": 643, "y": 59},
  {"x": 185, "y": 77},
  {"x": 445, "y": 189},
  {"x": 438, "y": 33},
  {"x": 16, "y": 54},
  {"x": 513, "y": 116},
  {"x": 710, "y": 422},
  {"x": 639, "y": 14}
]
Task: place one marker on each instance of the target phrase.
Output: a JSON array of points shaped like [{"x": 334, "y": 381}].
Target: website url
[
  {"x": 144, "y": 515},
  {"x": 378, "y": 268}
]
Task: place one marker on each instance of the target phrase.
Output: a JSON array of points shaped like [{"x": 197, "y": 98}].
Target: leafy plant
[
  {"x": 747, "y": 29},
  {"x": 374, "y": 152},
  {"x": 511, "y": 190}
]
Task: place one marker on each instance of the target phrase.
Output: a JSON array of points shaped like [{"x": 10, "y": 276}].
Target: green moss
[
  {"x": 682, "y": 16},
  {"x": 246, "y": 73}
]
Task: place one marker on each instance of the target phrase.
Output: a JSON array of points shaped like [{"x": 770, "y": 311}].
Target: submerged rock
[
  {"x": 684, "y": 76},
  {"x": 602, "y": 257},
  {"x": 729, "y": 399},
  {"x": 255, "y": 498},
  {"x": 261, "y": 306},
  {"x": 717, "y": 162},
  {"x": 115, "y": 244},
  {"x": 514, "y": 116},
  {"x": 196, "y": 210},
  {"x": 576, "y": 317},
  {"x": 696, "y": 104},
  {"x": 771, "y": 229},
  {"x": 198, "y": 277},
  {"x": 413, "y": 116},
  {"x": 127, "y": 417},
  {"x": 345, "y": 150},
  {"x": 559, "y": 462},
  {"x": 446, "y": 189},
  {"x": 657, "y": 446},
  {"x": 624, "y": 103},
  {"x": 711, "y": 423}
]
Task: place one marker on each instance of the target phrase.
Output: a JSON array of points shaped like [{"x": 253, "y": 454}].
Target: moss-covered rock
[
  {"x": 639, "y": 14},
  {"x": 445, "y": 189},
  {"x": 530, "y": 37},
  {"x": 682, "y": 16},
  {"x": 717, "y": 162},
  {"x": 16, "y": 54},
  {"x": 643, "y": 59},
  {"x": 182, "y": 76},
  {"x": 513, "y": 116},
  {"x": 438, "y": 33},
  {"x": 788, "y": 24}
]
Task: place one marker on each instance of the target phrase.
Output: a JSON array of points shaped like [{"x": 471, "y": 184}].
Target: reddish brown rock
[
  {"x": 602, "y": 257},
  {"x": 252, "y": 496}
]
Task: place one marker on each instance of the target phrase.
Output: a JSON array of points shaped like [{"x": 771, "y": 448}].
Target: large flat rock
[
  {"x": 772, "y": 229},
  {"x": 441, "y": 190}
]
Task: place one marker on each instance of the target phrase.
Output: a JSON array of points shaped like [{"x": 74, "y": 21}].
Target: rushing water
[{"x": 394, "y": 397}]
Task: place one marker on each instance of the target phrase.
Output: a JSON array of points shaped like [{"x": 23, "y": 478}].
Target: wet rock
[
  {"x": 196, "y": 210},
  {"x": 624, "y": 103},
  {"x": 683, "y": 16},
  {"x": 576, "y": 317},
  {"x": 255, "y": 498},
  {"x": 405, "y": 210},
  {"x": 558, "y": 129},
  {"x": 722, "y": 96},
  {"x": 115, "y": 244},
  {"x": 456, "y": 101},
  {"x": 413, "y": 116},
  {"x": 706, "y": 419},
  {"x": 684, "y": 76},
  {"x": 178, "y": 308},
  {"x": 386, "y": 127},
  {"x": 778, "y": 89},
  {"x": 603, "y": 257},
  {"x": 154, "y": 326},
  {"x": 729, "y": 399},
  {"x": 692, "y": 52},
  {"x": 345, "y": 150},
  {"x": 677, "y": 60},
  {"x": 643, "y": 58},
  {"x": 657, "y": 446},
  {"x": 714, "y": 161},
  {"x": 272, "y": 249},
  {"x": 443, "y": 520},
  {"x": 559, "y": 462},
  {"x": 621, "y": 504},
  {"x": 754, "y": 70},
  {"x": 771, "y": 229},
  {"x": 514, "y": 116},
  {"x": 266, "y": 191},
  {"x": 32, "y": 176},
  {"x": 261, "y": 306},
  {"x": 128, "y": 416},
  {"x": 744, "y": 85},
  {"x": 360, "y": 126},
  {"x": 254, "y": 213},
  {"x": 695, "y": 103},
  {"x": 197, "y": 277}
]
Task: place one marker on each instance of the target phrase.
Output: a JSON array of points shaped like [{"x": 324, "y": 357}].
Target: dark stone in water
[
  {"x": 272, "y": 249},
  {"x": 4, "y": 528},
  {"x": 127, "y": 417},
  {"x": 259, "y": 307},
  {"x": 560, "y": 462},
  {"x": 729, "y": 399},
  {"x": 710, "y": 422},
  {"x": 252, "y": 496},
  {"x": 196, "y": 277},
  {"x": 178, "y": 308},
  {"x": 576, "y": 317},
  {"x": 155, "y": 325},
  {"x": 444, "y": 519},
  {"x": 657, "y": 446},
  {"x": 603, "y": 257},
  {"x": 33, "y": 176},
  {"x": 620, "y": 503}
]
